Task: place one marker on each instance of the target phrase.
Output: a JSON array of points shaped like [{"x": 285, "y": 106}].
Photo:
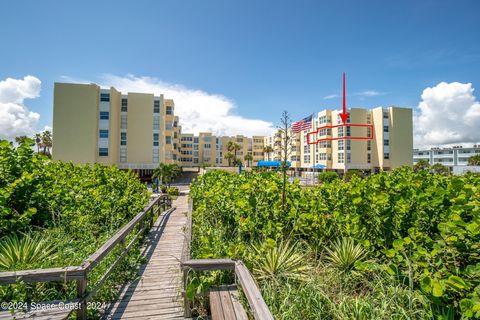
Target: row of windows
[
  {"x": 187, "y": 139},
  {"x": 123, "y": 138}
]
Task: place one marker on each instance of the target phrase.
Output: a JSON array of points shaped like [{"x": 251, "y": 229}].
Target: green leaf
[
  {"x": 456, "y": 283},
  {"x": 437, "y": 289},
  {"x": 398, "y": 244}
]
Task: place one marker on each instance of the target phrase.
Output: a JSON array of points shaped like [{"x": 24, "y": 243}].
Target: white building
[{"x": 454, "y": 156}]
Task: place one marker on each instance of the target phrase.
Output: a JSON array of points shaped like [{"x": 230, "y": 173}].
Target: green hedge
[{"x": 422, "y": 228}]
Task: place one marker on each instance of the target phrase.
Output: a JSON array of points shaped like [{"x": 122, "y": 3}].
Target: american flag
[{"x": 304, "y": 124}]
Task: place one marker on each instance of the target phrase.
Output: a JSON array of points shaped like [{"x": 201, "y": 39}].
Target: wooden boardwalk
[{"x": 157, "y": 292}]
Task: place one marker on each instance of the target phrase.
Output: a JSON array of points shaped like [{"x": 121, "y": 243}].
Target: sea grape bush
[
  {"x": 420, "y": 227},
  {"x": 73, "y": 208},
  {"x": 38, "y": 193}
]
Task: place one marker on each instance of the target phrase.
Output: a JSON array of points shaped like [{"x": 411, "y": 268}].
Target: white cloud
[
  {"x": 449, "y": 113},
  {"x": 198, "y": 110},
  {"x": 370, "y": 93},
  {"x": 15, "y": 118},
  {"x": 362, "y": 94},
  {"x": 331, "y": 96}
]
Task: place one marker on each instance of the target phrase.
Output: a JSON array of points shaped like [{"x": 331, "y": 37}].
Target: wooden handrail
[
  {"x": 80, "y": 273},
  {"x": 42, "y": 275},
  {"x": 208, "y": 264},
  {"x": 247, "y": 283}
]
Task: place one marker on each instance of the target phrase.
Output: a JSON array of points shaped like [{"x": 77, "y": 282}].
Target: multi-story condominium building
[
  {"x": 133, "y": 131},
  {"x": 382, "y": 141},
  {"x": 207, "y": 149},
  {"x": 453, "y": 156}
]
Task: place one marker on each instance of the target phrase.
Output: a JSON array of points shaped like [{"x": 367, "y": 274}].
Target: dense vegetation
[
  {"x": 55, "y": 214},
  {"x": 399, "y": 245}
]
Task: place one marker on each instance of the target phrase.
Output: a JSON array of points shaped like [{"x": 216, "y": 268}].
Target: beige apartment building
[
  {"x": 205, "y": 149},
  {"x": 372, "y": 139},
  {"x": 133, "y": 131}
]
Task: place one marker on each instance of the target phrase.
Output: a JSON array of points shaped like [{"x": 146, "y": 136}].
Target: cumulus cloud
[
  {"x": 198, "y": 110},
  {"x": 15, "y": 118},
  {"x": 449, "y": 113}
]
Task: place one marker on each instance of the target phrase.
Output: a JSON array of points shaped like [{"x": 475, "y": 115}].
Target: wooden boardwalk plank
[{"x": 156, "y": 294}]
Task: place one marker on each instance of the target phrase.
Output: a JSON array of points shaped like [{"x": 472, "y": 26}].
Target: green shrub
[
  {"x": 173, "y": 191},
  {"x": 76, "y": 207},
  {"x": 327, "y": 176},
  {"x": 20, "y": 252},
  {"x": 421, "y": 227},
  {"x": 344, "y": 253}
]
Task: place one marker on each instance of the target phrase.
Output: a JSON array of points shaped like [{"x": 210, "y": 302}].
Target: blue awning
[
  {"x": 319, "y": 166},
  {"x": 274, "y": 163}
]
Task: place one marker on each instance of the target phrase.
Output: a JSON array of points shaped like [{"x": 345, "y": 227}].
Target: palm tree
[
  {"x": 233, "y": 146},
  {"x": 248, "y": 157},
  {"x": 268, "y": 150},
  {"x": 229, "y": 156},
  {"x": 46, "y": 142},
  {"x": 440, "y": 169},
  {"x": 474, "y": 160},
  {"x": 38, "y": 140},
  {"x": 421, "y": 165},
  {"x": 166, "y": 173},
  {"x": 21, "y": 139}
]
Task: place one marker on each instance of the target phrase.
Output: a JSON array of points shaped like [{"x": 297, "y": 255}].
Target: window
[
  {"x": 156, "y": 123},
  {"x": 340, "y": 132},
  {"x": 105, "y": 97},
  {"x": 349, "y": 143},
  {"x": 168, "y": 140},
  {"x": 104, "y": 115},
  {"x": 155, "y": 139},
  {"x": 369, "y": 132},
  {"x": 123, "y": 155},
  {"x": 325, "y": 144},
  {"x": 103, "y": 133},
  {"x": 123, "y": 121},
  {"x": 124, "y": 105},
  {"x": 156, "y": 106},
  {"x": 348, "y": 131},
  {"x": 385, "y": 115},
  {"x": 169, "y": 110},
  {"x": 349, "y": 157},
  {"x": 341, "y": 144},
  {"x": 195, "y": 147},
  {"x": 369, "y": 157},
  {"x": 123, "y": 138},
  {"x": 386, "y": 142},
  {"x": 386, "y": 155},
  {"x": 103, "y": 152},
  {"x": 207, "y": 145},
  {"x": 341, "y": 157},
  {"x": 195, "y": 140},
  {"x": 369, "y": 145},
  {"x": 306, "y": 149},
  {"x": 385, "y": 128},
  {"x": 169, "y": 125}
]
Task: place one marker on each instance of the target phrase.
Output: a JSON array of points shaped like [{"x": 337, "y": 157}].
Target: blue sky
[{"x": 264, "y": 56}]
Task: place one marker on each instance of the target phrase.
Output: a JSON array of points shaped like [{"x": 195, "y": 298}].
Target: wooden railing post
[{"x": 81, "y": 291}]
